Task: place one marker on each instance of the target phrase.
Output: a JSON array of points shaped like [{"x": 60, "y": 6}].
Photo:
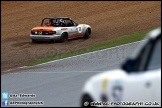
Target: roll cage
[{"x": 68, "y": 22}]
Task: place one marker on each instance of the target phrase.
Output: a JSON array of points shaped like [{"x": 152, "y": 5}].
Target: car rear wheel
[{"x": 64, "y": 37}]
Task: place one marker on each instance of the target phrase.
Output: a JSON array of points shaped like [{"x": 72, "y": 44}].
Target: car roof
[{"x": 65, "y": 18}]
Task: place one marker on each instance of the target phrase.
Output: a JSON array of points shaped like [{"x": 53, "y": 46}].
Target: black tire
[
  {"x": 86, "y": 35},
  {"x": 63, "y": 38},
  {"x": 86, "y": 100}
]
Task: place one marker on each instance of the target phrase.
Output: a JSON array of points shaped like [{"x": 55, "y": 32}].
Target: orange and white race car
[{"x": 59, "y": 29}]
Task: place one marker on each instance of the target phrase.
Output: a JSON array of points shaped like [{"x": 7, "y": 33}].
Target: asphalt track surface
[{"x": 59, "y": 83}]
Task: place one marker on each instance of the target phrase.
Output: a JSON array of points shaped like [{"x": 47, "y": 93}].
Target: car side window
[
  {"x": 69, "y": 23},
  {"x": 138, "y": 64},
  {"x": 148, "y": 58},
  {"x": 142, "y": 58},
  {"x": 155, "y": 58}
]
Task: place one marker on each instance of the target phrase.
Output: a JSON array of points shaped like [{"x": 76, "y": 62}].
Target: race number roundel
[{"x": 79, "y": 29}]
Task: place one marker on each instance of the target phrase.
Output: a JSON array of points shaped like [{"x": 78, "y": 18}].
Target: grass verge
[{"x": 137, "y": 36}]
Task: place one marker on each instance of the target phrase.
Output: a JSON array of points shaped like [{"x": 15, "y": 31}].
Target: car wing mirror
[{"x": 128, "y": 65}]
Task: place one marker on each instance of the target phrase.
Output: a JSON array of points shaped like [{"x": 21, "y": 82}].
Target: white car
[
  {"x": 137, "y": 83},
  {"x": 59, "y": 29}
]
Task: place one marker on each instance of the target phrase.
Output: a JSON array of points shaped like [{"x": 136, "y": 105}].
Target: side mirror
[{"x": 128, "y": 65}]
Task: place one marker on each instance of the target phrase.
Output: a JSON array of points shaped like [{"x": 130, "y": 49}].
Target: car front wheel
[
  {"x": 86, "y": 35},
  {"x": 86, "y": 101}
]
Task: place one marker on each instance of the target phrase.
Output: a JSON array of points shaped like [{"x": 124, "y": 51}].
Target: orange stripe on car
[{"x": 76, "y": 35}]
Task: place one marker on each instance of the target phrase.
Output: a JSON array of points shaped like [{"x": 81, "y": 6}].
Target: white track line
[
  {"x": 60, "y": 72},
  {"x": 86, "y": 53},
  {"x": 71, "y": 56}
]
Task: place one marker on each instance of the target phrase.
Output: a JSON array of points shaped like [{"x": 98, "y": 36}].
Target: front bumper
[{"x": 45, "y": 37}]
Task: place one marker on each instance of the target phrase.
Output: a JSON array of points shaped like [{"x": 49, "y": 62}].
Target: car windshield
[{"x": 53, "y": 22}]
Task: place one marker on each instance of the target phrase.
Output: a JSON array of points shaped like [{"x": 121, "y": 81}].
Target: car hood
[
  {"x": 50, "y": 28},
  {"x": 101, "y": 82}
]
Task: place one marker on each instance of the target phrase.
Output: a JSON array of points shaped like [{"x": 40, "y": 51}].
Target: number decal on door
[{"x": 79, "y": 29}]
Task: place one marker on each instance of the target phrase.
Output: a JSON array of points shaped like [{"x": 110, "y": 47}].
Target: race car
[
  {"x": 136, "y": 83},
  {"x": 59, "y": 29}
]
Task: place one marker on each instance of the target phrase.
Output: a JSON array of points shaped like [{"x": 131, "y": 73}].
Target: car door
[
  {"x": 154, "y": 64},
  {"x": 73, "y": 30},
  {"x": 137, "y": 87},
  {"x": 155, "y": 83},
  {"x": 142, "y": 79}
]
